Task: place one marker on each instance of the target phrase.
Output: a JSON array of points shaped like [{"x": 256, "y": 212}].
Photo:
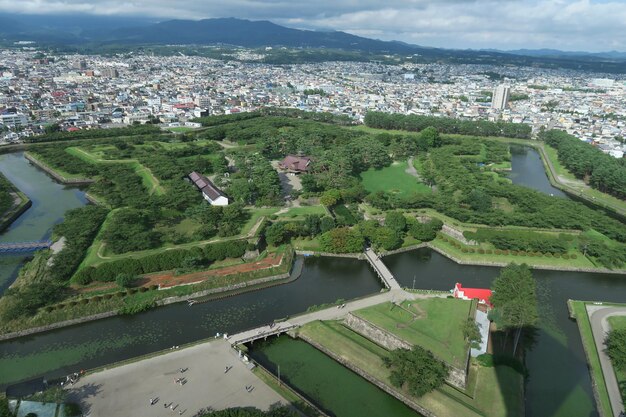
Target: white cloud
[{"x": 507, "y": 24}]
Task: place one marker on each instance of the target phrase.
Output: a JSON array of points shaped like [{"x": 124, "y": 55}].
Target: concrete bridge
[
  {"x": 24, "y": 247},
  {"x": 262, "y": 332},
  {"x": 381, "y": 270}
]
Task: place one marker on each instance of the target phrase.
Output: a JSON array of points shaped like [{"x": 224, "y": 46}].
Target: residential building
[{"x": 501, "y": 97}]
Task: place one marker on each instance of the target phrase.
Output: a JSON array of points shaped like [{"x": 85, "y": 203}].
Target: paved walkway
[
  {"x": 381, "y": 269},
  {"x": 126, "y": 390},
  {"x": 598, "y": 316}
]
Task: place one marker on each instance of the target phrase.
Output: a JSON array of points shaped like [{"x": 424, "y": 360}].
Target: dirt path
[{"x": 411, "y": 169}]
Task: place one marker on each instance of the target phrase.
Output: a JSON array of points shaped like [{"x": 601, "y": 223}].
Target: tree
[
  {"x": 471, "y": 332},
  {"x": 616, "y": 348},
  {"x": 275, "y": 234},
  {"x": 395, "y": 221},
  {"x": 330, "y": 197},
  {"x": 514, "y": 300},
  {"x": 342, "y": 240},
  {"x": 479, "y": 200},
  {"x": 327, "y": 223},
  {"x": 125, "y": 280},
  {"x": 417, "y": 368},
  {"x": 431, "y": 137}
]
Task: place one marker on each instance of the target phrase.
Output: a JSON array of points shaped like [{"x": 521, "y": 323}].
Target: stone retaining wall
[
  {"x": 239, "y": 288},
  {"x": 335, "y": 255},
  {"x": 388, "y": 389},
  {"x": 456, "y": 376}
]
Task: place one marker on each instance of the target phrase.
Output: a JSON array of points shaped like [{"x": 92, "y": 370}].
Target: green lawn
[
  {"x": 497, "y": 392},
  {"x": 435, "y": 324},
  {"x": 182, "y": 129},
  {"x": 59, "y": 171},
  {"x": 300, "y": 212},
  {"x": 619, "y": 322},
  {"x": 301, "y": 243},
  {"x": 584, "y": 326},
  {"x": 393, "y": 179}
]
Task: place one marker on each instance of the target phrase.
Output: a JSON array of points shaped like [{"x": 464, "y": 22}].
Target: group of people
[
  {"x": 72, "y": 379},
  {"x": 182, "y": 380}
]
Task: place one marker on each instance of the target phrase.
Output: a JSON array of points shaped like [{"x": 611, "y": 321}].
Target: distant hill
[
  {"x": 249, "y": 33},
  {"x": 94, "y": 34}
]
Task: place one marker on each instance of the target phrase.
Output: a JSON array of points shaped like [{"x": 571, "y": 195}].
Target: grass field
[
  {"x": 435, "y": 324},
  {"x": 584, "y": 326},
  {"x": 393, "y": 179},
  {"x": 619, "y": 322},
  {"x": 496, "y": 392},
  {"x": 300, "y": 212},
  {"x": 182, "y": 129}
]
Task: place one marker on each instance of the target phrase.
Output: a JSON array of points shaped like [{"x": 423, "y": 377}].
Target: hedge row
[
  {"x": 163, "y": 261},
  {"x": 98, "y": 298}
]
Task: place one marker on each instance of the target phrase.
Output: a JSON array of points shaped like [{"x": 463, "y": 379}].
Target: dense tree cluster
[
  {"x": 6, "y": 201},
  {"x": 96, "y": 133},
  {"x": 417, "y": 123},
  {"x": 79, "y": 228},
  {"x": 255, "y": 182},
  {"x": 342, "y": 240},
  {"x": 587, "y": 162},
  {"x": 417, "y": 369}
]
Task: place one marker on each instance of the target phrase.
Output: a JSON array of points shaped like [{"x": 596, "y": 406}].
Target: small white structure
[{"x": 210, "y": 192}]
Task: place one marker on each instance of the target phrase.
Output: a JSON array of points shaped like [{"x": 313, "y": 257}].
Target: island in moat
[{"x": 228, "y": 207}]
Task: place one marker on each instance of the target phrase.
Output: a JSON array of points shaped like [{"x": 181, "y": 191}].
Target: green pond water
[{"x": 334, "y": 388}]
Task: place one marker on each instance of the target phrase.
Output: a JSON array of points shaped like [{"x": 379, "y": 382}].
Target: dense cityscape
[{"x": 78, "y": 92}]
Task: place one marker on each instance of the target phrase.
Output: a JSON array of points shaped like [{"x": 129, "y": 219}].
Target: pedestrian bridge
[
  {"x": 262, "y": 332},
  {"x": 24, "y": 247},
  {"x": 381, "y": 270}
]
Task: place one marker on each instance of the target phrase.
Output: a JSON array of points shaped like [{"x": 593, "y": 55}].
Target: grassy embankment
[
  {"x": 455, "y": 248},
  {"x": 490, "y": 391},
  {"x": 96, "y": 254},
  {"x": 579, "y": 312}
]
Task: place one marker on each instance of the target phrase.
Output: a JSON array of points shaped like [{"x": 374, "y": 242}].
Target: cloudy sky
[{"x": 589, "y": 25}]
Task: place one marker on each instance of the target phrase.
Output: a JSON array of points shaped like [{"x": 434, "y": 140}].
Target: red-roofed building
[
  {"x": 295, "y": 164},
  {"x": 482, "y": 294}
]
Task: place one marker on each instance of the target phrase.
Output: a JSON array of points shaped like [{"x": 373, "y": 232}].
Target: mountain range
[{"x": 80, "y": 30}]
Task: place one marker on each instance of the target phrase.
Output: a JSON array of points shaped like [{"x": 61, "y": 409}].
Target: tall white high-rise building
[{"x": 501, "y": 97}]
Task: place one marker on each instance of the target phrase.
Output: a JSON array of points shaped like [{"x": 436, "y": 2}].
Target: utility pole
[
  {"x": 279, "y": 384},
  {"x": 413, "y": 281}
]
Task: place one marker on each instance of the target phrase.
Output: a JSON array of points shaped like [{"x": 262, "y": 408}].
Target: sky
[{"x": 572, "y": 25}]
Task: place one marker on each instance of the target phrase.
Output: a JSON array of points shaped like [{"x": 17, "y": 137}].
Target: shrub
[
  {"x": 120, "y": 294},
  {"x": 143, "y": 289},
  {"x": 48, "y": 309},
  {"x": 84, "y": 301},
  {"x": 472, "y": 250},
  {"x": 125, "y": 280},
  {"x": 71, "y": 410},
  {"x": 97, "y": 298},
  {"x": 108, "y": 296},
  {"x": 154, "y": 287},
  {"x": 464, "y": 250},
  {"x": 481, "y": 251},
  {"x": 73, "y": 303},
  {"x": 565, "y": 256},
  {"x": 573, "y": 256}
]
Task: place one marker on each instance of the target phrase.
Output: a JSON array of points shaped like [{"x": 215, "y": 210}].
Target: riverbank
[
  {"x": 21, "y": 203},
  {"x": 151, "y": 299}
]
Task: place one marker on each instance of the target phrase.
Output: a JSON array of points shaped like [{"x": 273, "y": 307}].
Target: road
[
  {"x": 126, "y": 390},
  {"x": 598, "y": 316}
]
